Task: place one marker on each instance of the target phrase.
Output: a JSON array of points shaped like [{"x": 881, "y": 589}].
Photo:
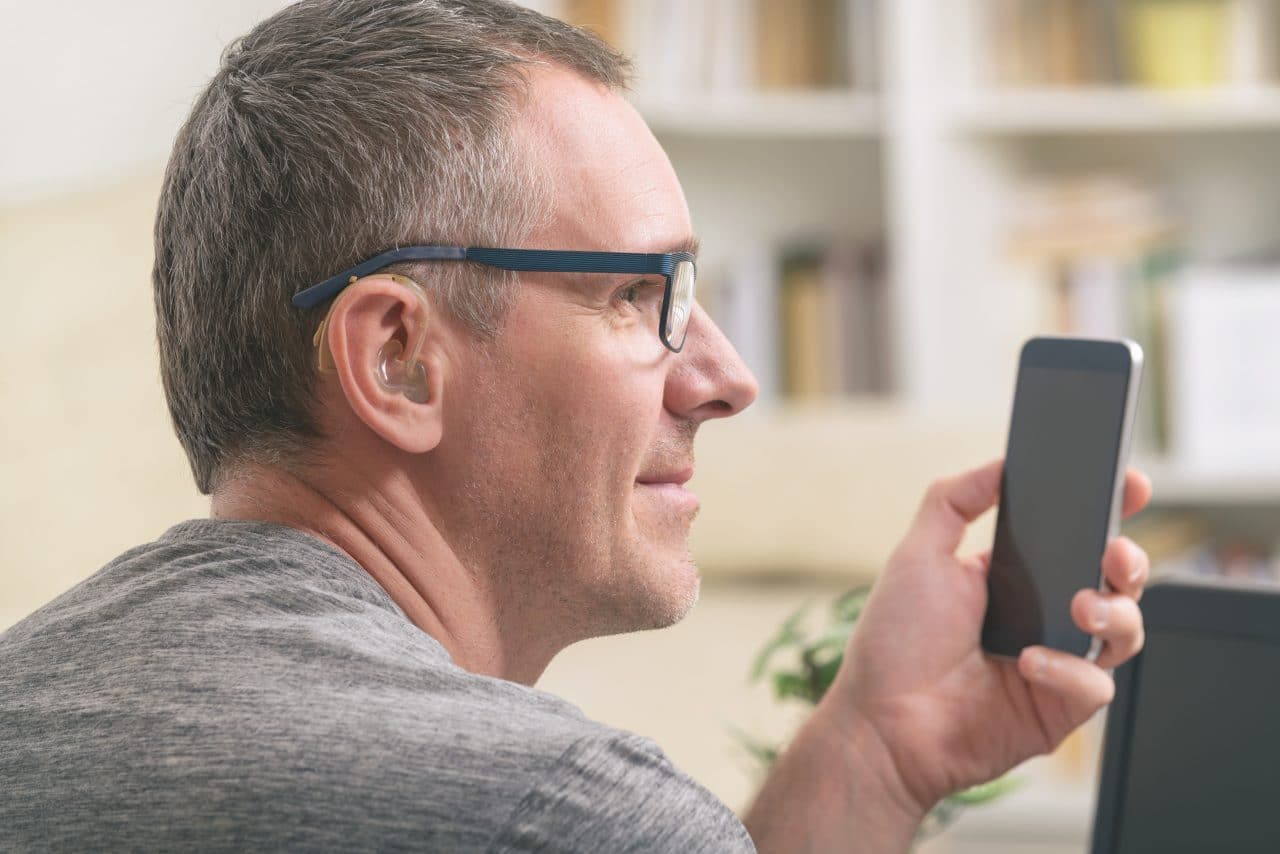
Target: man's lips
[
  {"x": 679, "y": 477},
  {"x": 668, "y": 486}
]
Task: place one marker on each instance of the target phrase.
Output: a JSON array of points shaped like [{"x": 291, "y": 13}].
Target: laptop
[{"x": 1191, "y": 756}]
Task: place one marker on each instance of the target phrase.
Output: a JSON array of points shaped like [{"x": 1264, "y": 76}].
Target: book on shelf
[
  {"x": 1255, "y": 40},
  {"x": 1106, "y": 250},
  {"x": 808, "y": 363},
  {"x": 1112, "y": 265},
  {"x": 1168, "y": 536},
  {"x": 742, "y": 298},
  {"x": 735, "y": 46},
  {"x": 810, "y": 320},
  {"x": 1223, "y": 349},
  {"x": 1160, "y": 44},
  {"x": 1235, "y": 558},
  {"x": 1035, "y": 43},
  {"x": 602, "y": 17},
  {"x": 860, "y": 28},
  {"x": 797, "y": 43},
  {"x": 1185, "y": 543}
]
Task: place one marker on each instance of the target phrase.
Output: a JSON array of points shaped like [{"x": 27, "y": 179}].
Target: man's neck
[{"x": 395, "y": 541}]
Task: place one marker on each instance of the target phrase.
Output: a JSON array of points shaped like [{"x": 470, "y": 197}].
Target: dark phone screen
[
  {"x": 1055, "y": 505},
  {"x": 1204, "y": 753}
]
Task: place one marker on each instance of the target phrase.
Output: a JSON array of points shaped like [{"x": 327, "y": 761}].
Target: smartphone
[{"x": 1061, "y": 491}]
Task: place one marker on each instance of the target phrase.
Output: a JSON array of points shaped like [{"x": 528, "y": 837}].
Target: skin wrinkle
[{"x": 379, "y": 531}]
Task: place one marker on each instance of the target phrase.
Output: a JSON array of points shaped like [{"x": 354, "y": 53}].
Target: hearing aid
[{"x": 406, "y": 375}]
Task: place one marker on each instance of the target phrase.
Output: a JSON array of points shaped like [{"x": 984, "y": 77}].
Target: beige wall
[{"x": 90, "y": 464}]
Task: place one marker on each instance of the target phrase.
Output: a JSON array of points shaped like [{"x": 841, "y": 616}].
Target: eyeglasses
[{"x": 677, "y": 267}]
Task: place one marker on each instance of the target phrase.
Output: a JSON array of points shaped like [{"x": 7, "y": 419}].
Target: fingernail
[
  {"x": 1039, "y": 666},
  {"x": 1099, "y": 613}
]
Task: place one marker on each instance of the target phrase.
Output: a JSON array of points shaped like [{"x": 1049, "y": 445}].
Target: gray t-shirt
[{"x": 243, "y": 685}]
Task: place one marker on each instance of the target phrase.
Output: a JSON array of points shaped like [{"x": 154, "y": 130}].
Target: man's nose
[{"x": 709, "y": 378}]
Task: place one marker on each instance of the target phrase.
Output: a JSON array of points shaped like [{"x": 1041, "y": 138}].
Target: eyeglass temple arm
[
  {"x": 330, "y": 287},
  {"x": 530, "y": 260}
]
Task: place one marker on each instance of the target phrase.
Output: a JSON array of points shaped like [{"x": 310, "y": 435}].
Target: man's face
[{"x": 574, "y": 432}]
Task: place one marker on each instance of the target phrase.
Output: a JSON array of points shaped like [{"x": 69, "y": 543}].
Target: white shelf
[
  {"x": 1173, "y": 483},
  {"x": 834, "y": 114},
  {"x": 1115, "y": 110}
]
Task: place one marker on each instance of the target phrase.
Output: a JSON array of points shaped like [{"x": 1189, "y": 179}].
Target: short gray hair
[{"x": 333, "y": 130}]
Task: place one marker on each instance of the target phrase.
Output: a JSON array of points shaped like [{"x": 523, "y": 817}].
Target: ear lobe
[{"x": 398, "y": 393}]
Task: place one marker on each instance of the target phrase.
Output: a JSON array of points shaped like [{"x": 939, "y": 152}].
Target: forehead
[{"x": 611, "y": 185}]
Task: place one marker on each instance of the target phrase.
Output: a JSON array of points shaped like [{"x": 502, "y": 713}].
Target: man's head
[
  {"x": 333, "y": 130},
  {"x": 556, "y": 428}
]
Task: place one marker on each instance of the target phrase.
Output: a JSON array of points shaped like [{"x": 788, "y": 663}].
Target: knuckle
[
  {"x": 1132, "y": 613},
  {"x": 1108, "y": 690}
]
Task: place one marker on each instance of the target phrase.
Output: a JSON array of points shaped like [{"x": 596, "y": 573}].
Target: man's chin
[
  {"x": 690, "y": 599},
  {"x": 668, "y": 591},
  {"x": 680, "y": 594}
]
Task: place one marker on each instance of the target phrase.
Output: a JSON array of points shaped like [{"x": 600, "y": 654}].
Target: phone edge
[{"x": 1136, "y": 359}]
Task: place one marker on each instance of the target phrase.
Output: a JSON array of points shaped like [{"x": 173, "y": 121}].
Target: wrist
[{"x": 871, "y": 762}]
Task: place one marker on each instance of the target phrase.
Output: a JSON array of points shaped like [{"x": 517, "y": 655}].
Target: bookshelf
[
  {"x": 925, "y": 147},
  {"x": 930, "y": 154},
  {"x": 1183, "y": 485},
  {"x": 809, "y": 114},
  {"x": 1088, "y": 111}
]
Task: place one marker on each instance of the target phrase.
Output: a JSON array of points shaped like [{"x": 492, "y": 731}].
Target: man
[{"x": 439, "y": 467}]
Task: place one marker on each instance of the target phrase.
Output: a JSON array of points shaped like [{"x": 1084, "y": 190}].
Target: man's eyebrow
[{"x": 690, "y": 244}]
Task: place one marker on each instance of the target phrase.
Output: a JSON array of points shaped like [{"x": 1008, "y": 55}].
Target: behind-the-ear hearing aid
[{"x": 407, "y": 376}]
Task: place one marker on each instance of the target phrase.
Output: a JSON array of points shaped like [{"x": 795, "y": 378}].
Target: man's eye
[{"x": 641, "y": 294}]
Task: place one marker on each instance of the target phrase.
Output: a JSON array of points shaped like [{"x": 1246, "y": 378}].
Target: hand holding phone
[{"x": 1061, "y": 489}]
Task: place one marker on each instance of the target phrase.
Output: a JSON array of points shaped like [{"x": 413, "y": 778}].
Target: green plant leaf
[
  {"x": 984, "y": 792},
  {"x": 836, "y": 638},
  {"x": 793, "y": 685},
  {"x": 823, "y": 675},
  {"x": 848, "y": 607},
  {"x": 788, "y": 635},
  {"x": 817, "y": 660}
]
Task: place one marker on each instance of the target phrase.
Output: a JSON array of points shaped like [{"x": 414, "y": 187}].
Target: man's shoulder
[
  {"x": 617, "y": 791},
  {"x": 234, "y": 698},
  {"x": 291, "y": 636},
  {"x": 259, "y": 696}
]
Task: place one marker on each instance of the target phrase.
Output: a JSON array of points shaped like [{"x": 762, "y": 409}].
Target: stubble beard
[
  {"x": 582, "y": 565},
  {"x": 566, "y": 563}
]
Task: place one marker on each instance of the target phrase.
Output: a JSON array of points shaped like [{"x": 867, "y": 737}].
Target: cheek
[
  {"x": 605, "y": 422},
  {"x": 589, "y": 398}
]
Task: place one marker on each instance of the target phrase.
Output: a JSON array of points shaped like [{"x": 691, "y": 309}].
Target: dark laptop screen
[{"x": 1203, "y": 769}]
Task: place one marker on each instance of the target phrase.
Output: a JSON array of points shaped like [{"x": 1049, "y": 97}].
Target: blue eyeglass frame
[{"x": 529, "y": 260}]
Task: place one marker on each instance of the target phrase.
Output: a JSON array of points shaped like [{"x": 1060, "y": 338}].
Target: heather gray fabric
[{"x": 244, "y": 686}]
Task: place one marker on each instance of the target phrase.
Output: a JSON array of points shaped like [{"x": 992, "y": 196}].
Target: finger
[
  {"x": 1082, "y": 686},
  {"x": 1137, "y": 492},
  {"x": 1126, "y": 567},
  {"x": 951, "y": 504},
  {"x": 979, "y": 564},
  {"x": 1114, "y": 619}
]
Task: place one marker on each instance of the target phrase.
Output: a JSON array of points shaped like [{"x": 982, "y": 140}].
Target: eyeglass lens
[{"x": 678, "y": 313}]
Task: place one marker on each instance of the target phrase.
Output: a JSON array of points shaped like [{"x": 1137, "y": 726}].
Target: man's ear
[{"x": 386, "y": 347}]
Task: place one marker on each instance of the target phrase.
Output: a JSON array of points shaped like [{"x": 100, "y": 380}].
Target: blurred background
[{"x": 892, "y": 196}]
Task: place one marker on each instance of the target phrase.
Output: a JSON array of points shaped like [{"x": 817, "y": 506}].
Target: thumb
[{"x": 950, "y": 505}]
